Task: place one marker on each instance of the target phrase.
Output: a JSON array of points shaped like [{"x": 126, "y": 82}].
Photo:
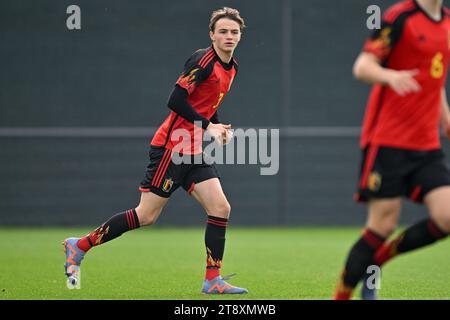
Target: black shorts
[
  {"x": 392, "y": 172},
  {"x": 163, "y": 176}
]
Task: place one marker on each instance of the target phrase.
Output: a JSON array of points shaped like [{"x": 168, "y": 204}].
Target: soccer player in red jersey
[
  {"x": 205, "y": 81},
  {"x": 407, "y": 62}
]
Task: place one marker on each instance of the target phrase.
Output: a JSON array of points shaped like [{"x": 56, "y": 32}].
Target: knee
[
  {"x": 384, "y": 222},
  {"x": 147, "y": 216},
  {"x": 222, "y": 209},
  {"x": 442, "y": 220},
  {"x": 383, "y": 228},
  {"x": 387, "y": 229}
]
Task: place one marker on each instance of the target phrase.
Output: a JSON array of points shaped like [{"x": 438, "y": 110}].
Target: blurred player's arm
[
  {"x": 445, "y": 114},
  {"x": 370, "y": 65},
  {"x": 368, "y": 68}
]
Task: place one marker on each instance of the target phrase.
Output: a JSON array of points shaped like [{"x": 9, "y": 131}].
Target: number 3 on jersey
[
  {"x": 219, "y": 100},
  {"x": 437, "y": 66}
]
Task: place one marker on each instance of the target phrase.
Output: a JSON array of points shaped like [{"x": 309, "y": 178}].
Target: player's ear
[{"x": 211, "y": 35}]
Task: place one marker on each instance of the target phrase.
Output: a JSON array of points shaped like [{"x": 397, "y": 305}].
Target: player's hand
[
  {"x": 403, "y": 82},
  {"x": 227, "y": 139},
  {"x": 219, "y": 132}
]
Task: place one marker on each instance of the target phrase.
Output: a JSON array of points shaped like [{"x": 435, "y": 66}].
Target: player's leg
[
  {"x": 431, "y": 185},
  {"x": 423, "y": 233},
  {"x": 146, "y": 213},
  {"x": 438, "y": 203},
  {"x": 202, "y": 182},
  {"x": 381, "y": 185},
  {"x": 210, "y": 195},
  {"x": 383, "y": 215},
  {"x": 153, "y": 199}
]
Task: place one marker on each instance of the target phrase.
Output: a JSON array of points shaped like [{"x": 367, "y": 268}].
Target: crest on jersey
[{"x": 167, "y": 185}]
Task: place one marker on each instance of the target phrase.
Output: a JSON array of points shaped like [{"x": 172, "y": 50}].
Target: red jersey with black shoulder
[
  {"x": 408, "y": 39},
  {"x": 207, "y": 80}
]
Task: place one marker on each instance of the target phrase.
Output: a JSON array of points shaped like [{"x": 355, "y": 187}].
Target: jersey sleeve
[
  {"x": 215, "y": 118},
  {"x": 383, "y": 40},
  {"x": 178, "y": 103},
  {"x": 193, "y": 74}
]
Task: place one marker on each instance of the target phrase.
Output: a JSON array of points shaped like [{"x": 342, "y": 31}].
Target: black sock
[
  {"x": 114, "y": 227},
  {"x": 419, "y": 235},
  {"x": 215, "y": 245},
  {"x": 360, "y": 257}
]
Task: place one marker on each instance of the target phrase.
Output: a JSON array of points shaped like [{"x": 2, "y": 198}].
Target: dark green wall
[{"x": 118, "y": 71}]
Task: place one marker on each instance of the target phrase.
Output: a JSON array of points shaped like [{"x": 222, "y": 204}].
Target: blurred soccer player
[
  {"x": 407, "y": 62},
  {"x": 204, "y": 82}
]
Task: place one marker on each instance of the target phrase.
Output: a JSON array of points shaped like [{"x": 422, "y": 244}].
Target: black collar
[{"x": 226, "y": 66}]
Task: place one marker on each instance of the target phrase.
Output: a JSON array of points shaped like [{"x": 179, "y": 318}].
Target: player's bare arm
[{"x": 367, "y": 68}]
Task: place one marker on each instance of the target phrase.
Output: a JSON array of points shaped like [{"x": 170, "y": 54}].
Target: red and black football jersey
[
  {"x": 207, "y": 80},
  {"x": 409, "y": 39}
]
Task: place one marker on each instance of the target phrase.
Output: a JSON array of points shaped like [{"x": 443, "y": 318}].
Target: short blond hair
[{"x": 228, "y": 13}]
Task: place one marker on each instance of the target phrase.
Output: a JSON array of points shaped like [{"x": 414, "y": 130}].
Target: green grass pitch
[{"x": 168, "y": 263}]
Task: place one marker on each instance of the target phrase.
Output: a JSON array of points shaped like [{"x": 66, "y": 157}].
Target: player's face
[{"x": 226, "y": 35}]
